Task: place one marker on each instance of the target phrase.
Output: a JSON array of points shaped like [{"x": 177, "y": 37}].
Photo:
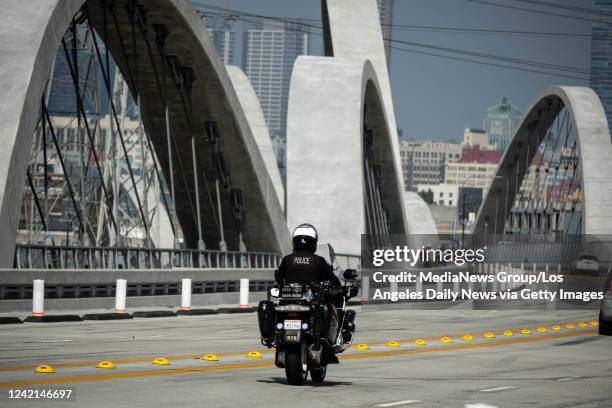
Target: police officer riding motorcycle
[{"x": 304, "y": 317}]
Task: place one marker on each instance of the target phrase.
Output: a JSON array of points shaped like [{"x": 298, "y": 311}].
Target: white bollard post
[
  {"x": 38, "y": 297},
  {"x": 393, "y": 287},
  {"x": 120, "y": 294},
  {"x": 244, "y": 293},
  {"x": 494, "y": 283},
  {"x": 185, "y": 294},
  {"x": 365, "y": 288}
]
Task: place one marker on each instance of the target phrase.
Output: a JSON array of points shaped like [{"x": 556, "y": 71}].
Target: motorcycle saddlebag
[{"x": 266, "y": 315}]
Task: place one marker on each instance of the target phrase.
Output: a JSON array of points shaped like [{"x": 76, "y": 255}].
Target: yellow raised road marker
[
  {"x": 556, "y": 327},
  {"x": 489, "y": 335},
  {"x": 105, "y": 364},
  {"x": 569, "y": 326},
  {"x": 45, "y": 369},
  {"x": 362, "y": 346},
  {"x": 392, "y": 343},
  {"x": 254, "y": 354},
  {"x": 420, "y": 342},
  {"x": 508, "y": 333},
  {"x": 210, "y": 357},
  {"x": 594, "y": 323},
  {"x": 161, "y": 361},
  {"x": 542, "y": 329},
  {"x": 446, "y": 340},
  {"x": 468, "y": 337},
  {"x": 582, "y": 324},
  {"x": 525, "y": 331},
  {"x": 122, "y": 374}
]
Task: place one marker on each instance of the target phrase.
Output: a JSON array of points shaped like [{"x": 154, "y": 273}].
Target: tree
[{"x": 427, "y": 196}]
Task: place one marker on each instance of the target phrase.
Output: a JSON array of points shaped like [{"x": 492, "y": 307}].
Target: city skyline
[
  {"x": 601, "y": 59},
  {"x": 423, "y": 84}
]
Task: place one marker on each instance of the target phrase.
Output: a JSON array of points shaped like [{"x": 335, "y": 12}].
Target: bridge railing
[
  {"x": 348, "y": 261},
  {"x": 75, "y": 257}
]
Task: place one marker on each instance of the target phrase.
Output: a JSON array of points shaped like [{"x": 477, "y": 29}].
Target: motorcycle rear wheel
[
  {"x": 296, "y": 364},
  {"x": 318, "y": 374}
]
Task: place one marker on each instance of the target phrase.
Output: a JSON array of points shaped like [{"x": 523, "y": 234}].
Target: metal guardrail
[{"x": 69, "y": 257}]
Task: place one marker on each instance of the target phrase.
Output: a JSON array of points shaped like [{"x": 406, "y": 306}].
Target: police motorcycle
[{"x": 299, "y": 321}]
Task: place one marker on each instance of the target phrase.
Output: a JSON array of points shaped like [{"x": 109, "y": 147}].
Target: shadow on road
[{"x": 326, "y": 383}]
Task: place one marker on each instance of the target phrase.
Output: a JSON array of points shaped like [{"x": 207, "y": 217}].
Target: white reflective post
[
  {"x": 365, "y": 288},
  {"x": 120, "y": 293},
  {"x": 393, "y": 287},
  {"x": 185, "y": 294},
  {"x": 38, "y": 297},
  {"x": 244, "y": 293}
]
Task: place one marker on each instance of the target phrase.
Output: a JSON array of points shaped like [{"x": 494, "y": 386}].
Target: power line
[
  {"x": 552, "y": 4},
  {"x": 548, "y": 13},
  {"x": 538, "y": 66},
  {"x": 490, "y": 64},
  {"x": 494, "y": 57},
  {"x": 313, "y": 23},
  {"x": 487, "y": 31}
]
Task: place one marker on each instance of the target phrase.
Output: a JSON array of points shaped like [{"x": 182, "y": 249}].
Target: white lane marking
[
  {"x": 479, "y": 405},
  {"x": 229, "y": 331},
  {"x": 49, "y": 341},
  {"x": 397, "y": 403},
  {"x": 154, "y": 336},
  {"x": 568, "y": 378},
  {"x": 497, "y": 389}
]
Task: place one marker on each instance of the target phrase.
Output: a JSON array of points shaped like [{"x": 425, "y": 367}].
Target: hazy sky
[{"x": 436, "y": 98}]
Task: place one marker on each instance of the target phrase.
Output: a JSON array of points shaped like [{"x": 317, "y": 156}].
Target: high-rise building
[
  {"x": 61, "y": 99},
  {"x": 423, "y": 161},
  {"x": 601, "y": 59},
  {"x": 500, "y": 123},
  {"x": 385, "y": 11},
  {"x": 223, "y": 36},
  {"x": 270, "y": 50}
]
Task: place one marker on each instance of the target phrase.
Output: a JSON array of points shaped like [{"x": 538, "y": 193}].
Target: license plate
[{"x": 292, "y": 324}]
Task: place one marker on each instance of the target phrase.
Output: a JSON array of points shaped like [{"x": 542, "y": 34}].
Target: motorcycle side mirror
[{"x": 350, "y": 274}]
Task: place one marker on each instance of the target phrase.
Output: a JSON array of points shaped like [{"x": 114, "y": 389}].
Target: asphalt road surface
[{"x": 558, "y": 360}]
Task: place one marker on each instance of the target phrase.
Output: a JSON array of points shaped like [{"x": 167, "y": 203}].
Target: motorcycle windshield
[{"x": 327, "y": 252}]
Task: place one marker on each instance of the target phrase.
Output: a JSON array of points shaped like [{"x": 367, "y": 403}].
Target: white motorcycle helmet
[{"x": 305, "y": 237}]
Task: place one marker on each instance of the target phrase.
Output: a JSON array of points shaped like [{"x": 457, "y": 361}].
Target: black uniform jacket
[{"x": 305, "y": 267}]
